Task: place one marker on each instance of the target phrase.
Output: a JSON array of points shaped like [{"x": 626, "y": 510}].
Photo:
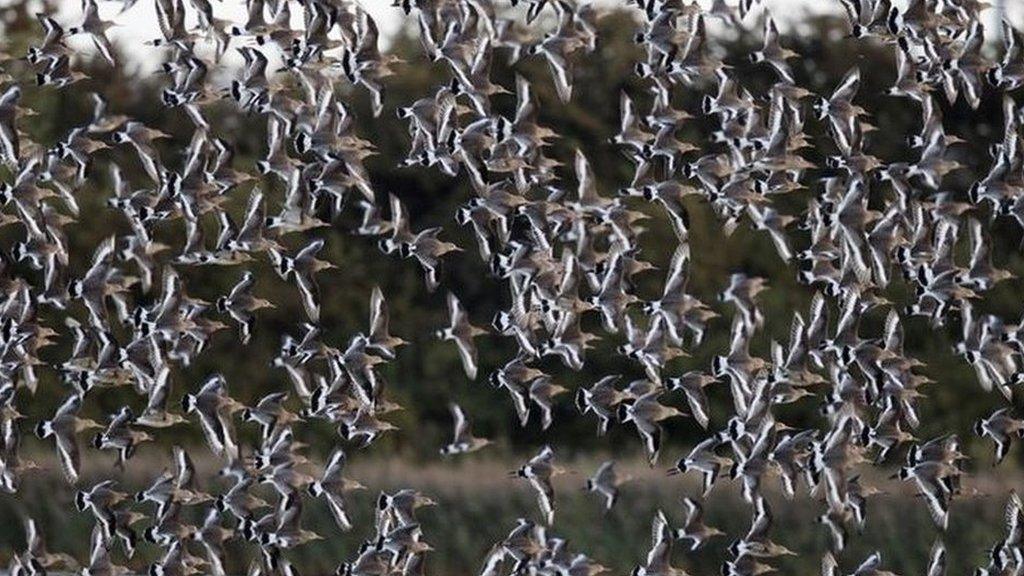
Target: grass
[{"x": 478, "y": 504}]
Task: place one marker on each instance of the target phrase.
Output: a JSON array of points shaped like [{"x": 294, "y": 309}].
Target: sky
[{"x": 137, "y": 25}]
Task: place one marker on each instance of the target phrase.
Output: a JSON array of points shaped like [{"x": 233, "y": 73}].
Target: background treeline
[{"x": 427, "y": 375}]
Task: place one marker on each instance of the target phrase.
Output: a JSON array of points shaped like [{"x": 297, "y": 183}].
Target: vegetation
[{"x": 427, "y": 376}]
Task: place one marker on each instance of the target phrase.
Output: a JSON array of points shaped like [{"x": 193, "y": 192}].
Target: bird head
[
  {"x": 623, "y": 412},
  {"x": 188, "y": 403},
  {"x": 821, "y": 107},
  {"x": 628, "y": 350},
  {"x": 681, "y": 466},
  {"x": 495, "y": 378},
  {"x": 894, "y": 21},
  {"x": 735, "y": 428},
  {"x": 285, "y": 265},
  {"x": 248, "y": 528},
  {"x": 315, "y": 489},
  {"x": 581, "y": 400},
  {"x": 151, "y": 535},
  {"x": 502, "y": 321},
  {"x": 734, "y": 548},
  {"x": 994, "y": 75},
  {"x": 707, "y": 104},
  {"x": 865, "y": 435},
  {"x": 81, "y": 501},
  {"x": 719, "y": 366},
  {"x": 649, "y": 192},
  {"x": 973, "y": 192}
]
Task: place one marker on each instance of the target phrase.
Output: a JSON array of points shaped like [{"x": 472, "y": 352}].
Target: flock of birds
[{"x": 563, "y": 246}]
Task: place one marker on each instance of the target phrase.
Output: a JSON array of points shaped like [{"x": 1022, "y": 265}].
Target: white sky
[{"x": 139, "y": 24}]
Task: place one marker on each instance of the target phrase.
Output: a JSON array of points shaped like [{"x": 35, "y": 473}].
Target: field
[{"x": 478, "y": 503}]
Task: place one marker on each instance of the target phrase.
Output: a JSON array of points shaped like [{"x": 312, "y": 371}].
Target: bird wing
[
  {"x": 461, "y": 425},
  {"x": 310, "y": 292},
  {"x": 67, "y": 450},
  {"x": 545, "y": 498},
  {"x": 335, "y": 466},
  {"x": 847, "y": 89}
]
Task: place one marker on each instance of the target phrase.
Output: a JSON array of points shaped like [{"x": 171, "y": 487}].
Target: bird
[
  {"x": 214, "y": 407},
  {"x": 606, "y": 482},
  {"x": 212, "y": 535},
  {"x": 36, "y": 553},
  {"x": 120, "y": 436},
  {"x": 602, "y": 398},
  {"x": 96, "y": 28},
  {"x": 8, "y": 128},
  {"x": 773, "y": 53},
  {"x": 646, "y": 412},
  {"x": 302, "y": 269},
  {"x": 705, "y": 460},
  {"x": 333, "y": 486},
  {"x": 463, "y": 441},
  {"x": 1001, "y": 427},
  {"x": 694, "y": 531},
  {"x": 463, "y": 333},
  {"x": 270, "y": 414},
  {"x": 539, "y": 471},
  {"x": 692, "y": 384},
  {"x": 542, "y": 392},
  {"x": 380, "y": 339},
  {"x": 63, "y": 428},
  {"x": 871, "y": 566},
  {"x": 100, "y": 563},
  {"x": 241, "y": 305},
  {"x": 659, "y": 557}
]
